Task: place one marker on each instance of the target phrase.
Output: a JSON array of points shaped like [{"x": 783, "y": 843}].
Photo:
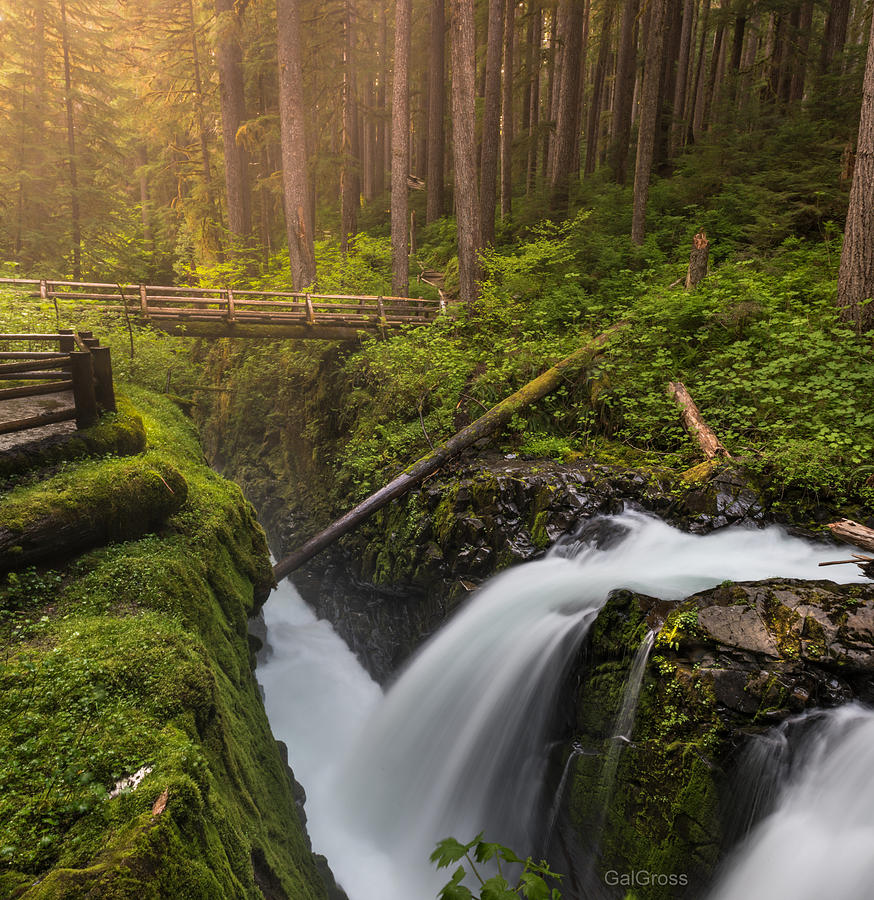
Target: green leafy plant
[{"x": 532, "y": 881}]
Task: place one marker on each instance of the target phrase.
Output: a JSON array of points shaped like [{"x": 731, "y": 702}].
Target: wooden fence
[
  {"x": 79, "y": 364},
  {"x": 164, "y": 305}
]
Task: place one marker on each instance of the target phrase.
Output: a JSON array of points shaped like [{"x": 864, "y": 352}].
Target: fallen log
[
  {"x": 853, "y": 533},
  {"x": 694, "y": 423},
  {"x": 482, "y": 427}
]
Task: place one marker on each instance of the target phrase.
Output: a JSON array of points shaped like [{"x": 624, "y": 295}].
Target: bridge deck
[{"x": 227, "y": 312}]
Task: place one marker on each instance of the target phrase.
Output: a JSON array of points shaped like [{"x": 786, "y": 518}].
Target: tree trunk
[
  {"x": 835, "y": 34},
  {"x": 678, "y": 127},
  {"x": 483, "y": 427},
  {"x": 229, "y": 60},
  {"x": 623, "y": 95},
  {"x": 695, "y": 95},
  {"x": 856, "y": 274},
  {"x": 507, "y": 111},
  {"x": 566, "y": 124},
  {"x": 648, "y": 119},
  {"x": 350, "y": 191},
  {"x": 552, "y": 82},
  {"x": 75, "y": 214},
  {"x": 292, "y": 118},
  {"x": 799, "y": 73},
  {"x": 698, "y": 260},
  {"x": 491, "y": 122},
  {"x": 534, "y": 54},
  {"x": 694, "y": 423},
  {"x": 464, "y": 144},
  {"x": 595, "y": 105},
  {"x": 211, "y": 232},
  {"x": 380, "y": 149},
  {"x": 400, "y": 151},
  {"x": 436, "y": 112},
  {"x": 853, "y": 533}
]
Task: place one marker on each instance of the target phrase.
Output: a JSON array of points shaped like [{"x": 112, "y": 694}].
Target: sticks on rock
[
  {"x": 695, "y": 426},
  {"x": 481, "y": 428}
]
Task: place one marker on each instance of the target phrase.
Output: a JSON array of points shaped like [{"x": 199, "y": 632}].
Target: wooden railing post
[
  {"x": 83, "y": 388},
  {"x": 231, "y": 307},
  {"x": 103, "y": 389},
  {"x": 144, "y": 303},
  {"x": 68, "y": 341}
]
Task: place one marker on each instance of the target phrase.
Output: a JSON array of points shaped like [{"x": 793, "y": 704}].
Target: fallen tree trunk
[
  {"x": 853, "y": 533},
  {"x": 693, "y": 422},
  {"x": 484, "y": 426}
]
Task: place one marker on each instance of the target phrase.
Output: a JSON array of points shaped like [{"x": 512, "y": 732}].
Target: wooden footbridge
[{"x": 228, "y": 312}]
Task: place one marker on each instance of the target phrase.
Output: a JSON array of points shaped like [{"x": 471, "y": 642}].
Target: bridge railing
[
  {"x": 161, "y": 302},
  {"x": 79, "y": 365}
]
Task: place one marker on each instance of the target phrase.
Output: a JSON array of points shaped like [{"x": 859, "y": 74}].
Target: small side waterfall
[
  {"x": 458, "y": 744},
  {"x": 817, "y": 842}
]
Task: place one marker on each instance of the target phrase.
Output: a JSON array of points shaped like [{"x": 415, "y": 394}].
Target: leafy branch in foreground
[{"x": 531, "y": 882}]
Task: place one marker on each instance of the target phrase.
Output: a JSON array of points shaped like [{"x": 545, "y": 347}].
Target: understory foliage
[{"x": 532, "y": 880}]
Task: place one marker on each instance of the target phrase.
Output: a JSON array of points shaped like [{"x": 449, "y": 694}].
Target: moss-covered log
[
  {"x": 486, "y": 425},
  {"x": 104, "y": 501}
]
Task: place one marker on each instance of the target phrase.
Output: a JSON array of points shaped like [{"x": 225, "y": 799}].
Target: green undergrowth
[{"x": 134, "y": 658}]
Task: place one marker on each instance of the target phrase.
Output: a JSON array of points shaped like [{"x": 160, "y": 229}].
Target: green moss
[{"x": 136, "y": 655}]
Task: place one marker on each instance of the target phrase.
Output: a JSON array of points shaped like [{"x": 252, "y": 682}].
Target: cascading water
[
  {"x": 458, "y": 743},
  {"x": 817, "y": 842}
]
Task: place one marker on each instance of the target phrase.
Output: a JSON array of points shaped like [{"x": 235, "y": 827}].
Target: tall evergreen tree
[
  {"x": 298, "y": 212},
  {"x": 856, "y": 274}
]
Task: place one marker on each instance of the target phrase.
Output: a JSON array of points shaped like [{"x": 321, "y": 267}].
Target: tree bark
[
  {"x": 835, "y": 34},
  {"x": 464, "y": 144},
  {"x": 483, "y": 427},
  {"x": 400, "y": 151},
  {"x": 698, "y": 260},
  {"x": 566, "y": 124},
  {"x": 491, "y": 122},
  {"x": 856, "y": 273},
  {"x": 436, "y": 112},
  {"x": 75, "y": 214},
  {"x": 646, "y": 134},
  {"x": 533, "y": 95},
  {"x": 507, "y": 111},
  {"x": 229, "y": 60},
  {"x": 623, "y": 95},
  {"x": 853, "y": 533},
  {"x": 694, "y": 423},
  {"x": 799, "y": 73},
  {"x": 694, "y": 100},
  {"x": 292, "y": 117},
  {"x": 350, "y": 189},
  {"x": 595, "y": 105}
]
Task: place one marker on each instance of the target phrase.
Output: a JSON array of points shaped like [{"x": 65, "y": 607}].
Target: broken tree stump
[
  {"x": 698, "y": 260},
  {"x": 693, "y": 422},
  {"x": 482, "y": 427}
]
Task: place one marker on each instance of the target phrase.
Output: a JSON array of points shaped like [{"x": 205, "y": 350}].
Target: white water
[
  {"x": 457, "y": 744},
  {"x": 818, "y": 841}
]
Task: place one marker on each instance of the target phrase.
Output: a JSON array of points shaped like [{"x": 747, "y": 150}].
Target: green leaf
[
  {"x": 454, "y": 890},
  {"x": 450, "y": 851}
]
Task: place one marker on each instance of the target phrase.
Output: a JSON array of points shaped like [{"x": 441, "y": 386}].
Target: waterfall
[
  {"x": 457, "y": 745},
  {"x": 817, "y": 842}
]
